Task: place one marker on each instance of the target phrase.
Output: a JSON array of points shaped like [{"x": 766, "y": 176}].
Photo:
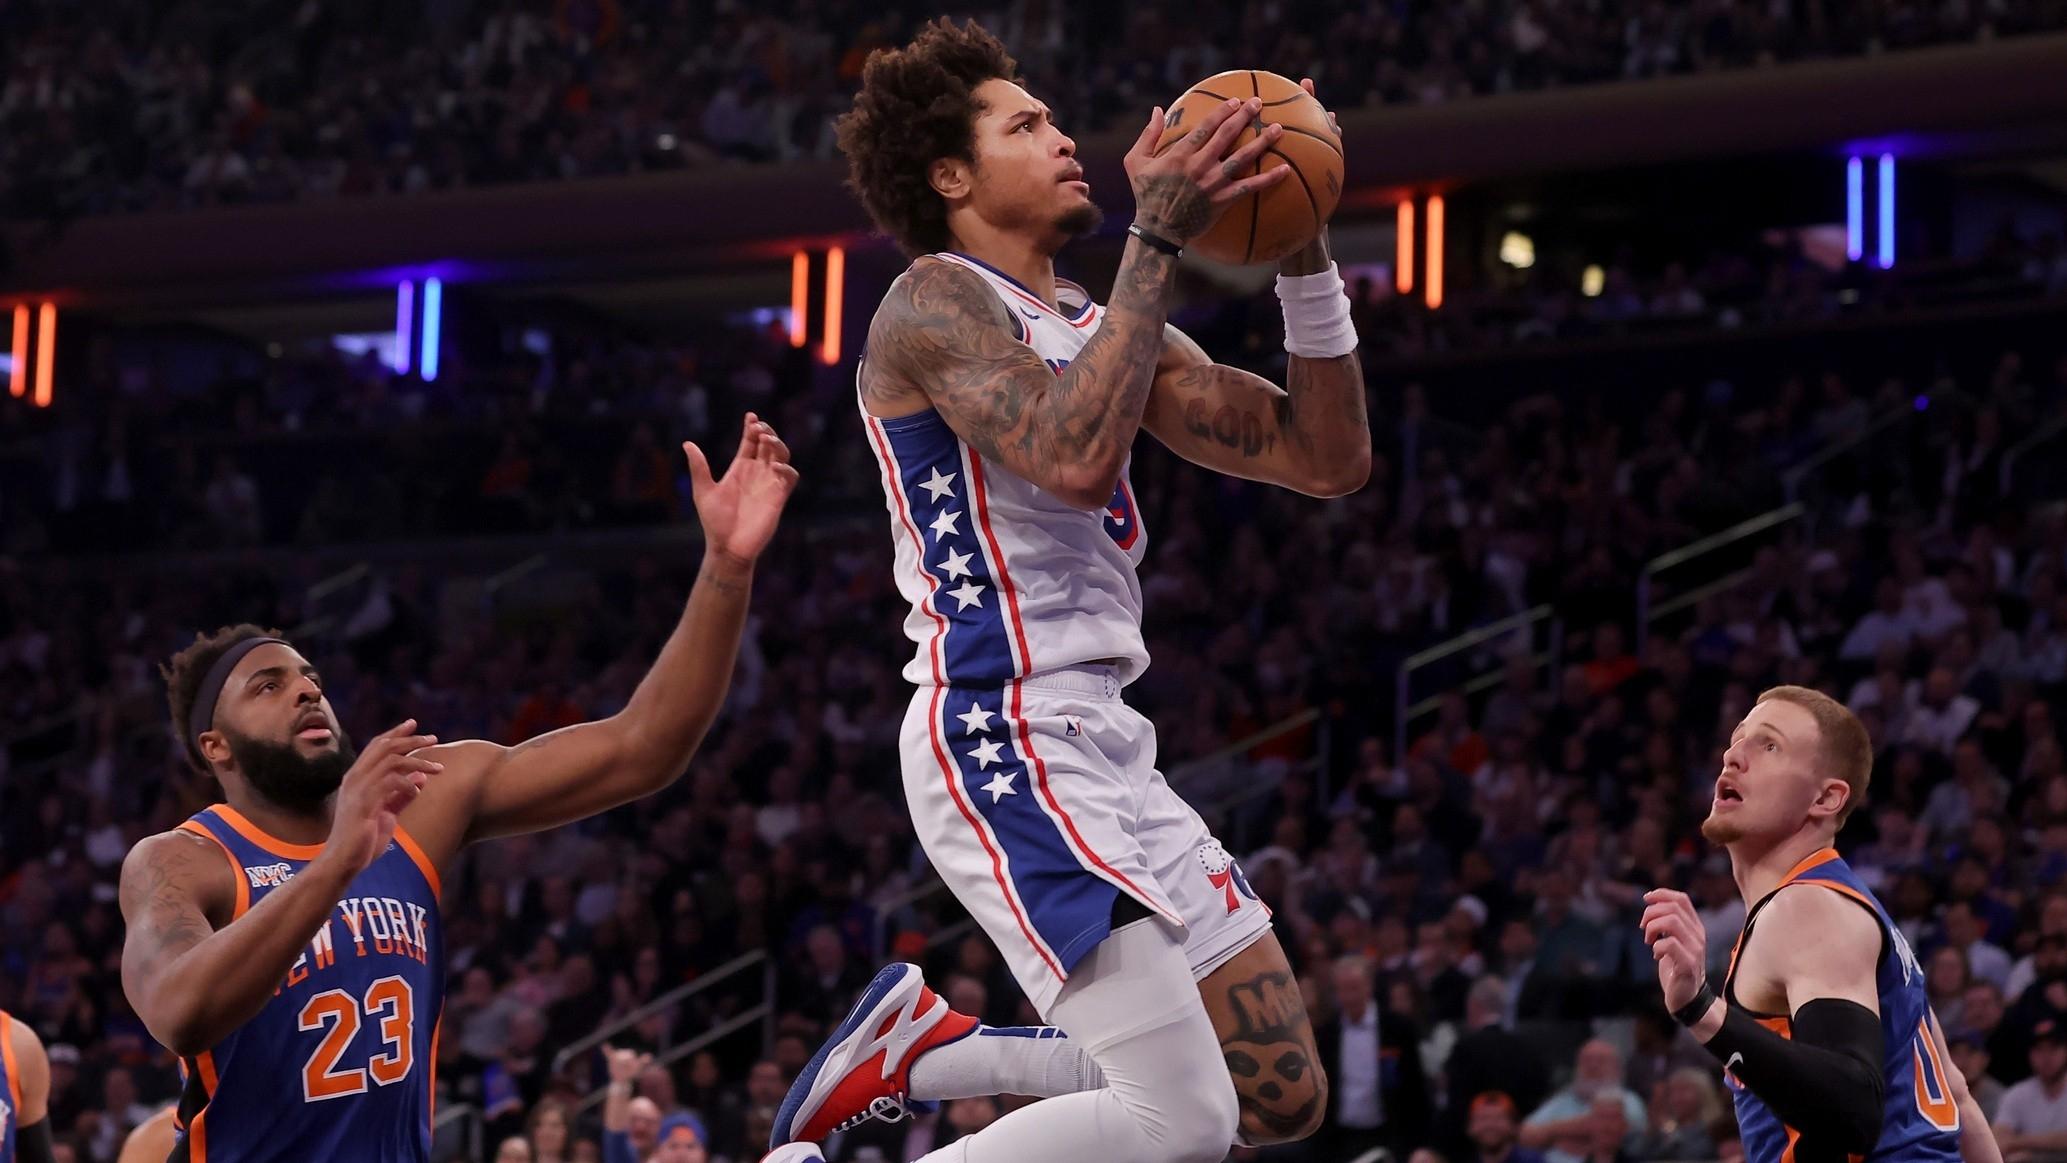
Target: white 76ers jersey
[{"x": 1005, "y": 580}]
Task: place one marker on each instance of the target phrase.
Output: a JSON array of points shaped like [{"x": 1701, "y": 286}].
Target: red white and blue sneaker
[{"x": 864, "y": 1070}]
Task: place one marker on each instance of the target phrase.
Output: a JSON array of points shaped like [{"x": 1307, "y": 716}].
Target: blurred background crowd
[{"x": 1453, "y": 726}]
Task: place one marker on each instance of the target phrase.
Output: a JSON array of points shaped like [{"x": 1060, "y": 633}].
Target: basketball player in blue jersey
[
  {"x": 24, "y": 1095},
  {"x": 1826, "y": 1036},
  {"x": 1002, "y": 405},
  {"x": 286, "y": 943}
]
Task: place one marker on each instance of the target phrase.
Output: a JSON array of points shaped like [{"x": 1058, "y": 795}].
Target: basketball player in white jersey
[{"x": 1002, "y": 406}]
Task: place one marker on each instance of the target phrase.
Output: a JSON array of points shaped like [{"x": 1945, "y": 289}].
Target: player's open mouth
[
  {"x": 314, "y": 728},
  {"x": 1727, "y": 793}
]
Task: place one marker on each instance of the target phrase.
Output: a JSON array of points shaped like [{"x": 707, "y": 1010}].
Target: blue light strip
[
  {"x": 433, "y": 312},
  {"x": 1855, "y": 209},
  {"x": 1887, "y": 210},
  {"x": 405, "y": 318}
]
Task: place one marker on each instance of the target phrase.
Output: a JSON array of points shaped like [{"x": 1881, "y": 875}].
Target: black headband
[{"x": 201, "y": 717}]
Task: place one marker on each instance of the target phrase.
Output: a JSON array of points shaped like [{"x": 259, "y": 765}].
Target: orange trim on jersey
[
  {"x": 1779, "y": 1024},
  {"x": 1814, "y": 859},
  {"x": 423, "y": 863},
  {"x": 431, "y": 1082},
  {"x": 1793, "y": 1137},
  {"x": 1845, "y": 889},
  {"x": 14, "y": 1074},
  {"x": 237, "y": 873},
  {"x": 197, "y": 1132},
  {"x": 272, "y": 844},
  {"x": 1940, "y": 1110}
]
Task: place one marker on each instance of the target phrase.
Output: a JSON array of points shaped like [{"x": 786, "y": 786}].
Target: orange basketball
[{"x": 1265, "y": 227}]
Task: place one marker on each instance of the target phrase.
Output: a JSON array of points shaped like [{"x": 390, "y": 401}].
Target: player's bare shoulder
[
  {"x": 182, "y": 865},
  {"x": 937, "y": 318}
]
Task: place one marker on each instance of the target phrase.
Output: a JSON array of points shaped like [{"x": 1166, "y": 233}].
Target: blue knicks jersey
[
  {"x": 1921, "y": 1121},
  {"x": 10, "y": 1089},
  {"x": 337, "y": 1068}
]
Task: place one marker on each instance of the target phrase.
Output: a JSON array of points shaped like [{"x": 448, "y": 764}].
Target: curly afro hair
[
  {"x": 184, "y": 671},
  {"x": 917, "y": 104}
]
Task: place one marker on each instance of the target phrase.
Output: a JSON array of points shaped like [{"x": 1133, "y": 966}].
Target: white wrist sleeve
[{"x": 1317, "y": 322}]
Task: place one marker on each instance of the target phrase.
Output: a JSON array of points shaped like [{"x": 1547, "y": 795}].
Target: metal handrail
[
  {"x": 1717, "y": 540},
  {"x": 1701, "y": 547},
  {"x": 1793, "y": 475},
  {"x": 764, "y": 1013},
  {"x": 492, "y": 588},
  {"x": 335, "y": 582},
  {"x": 1471, "y": 638},
  {"x": 662, "y": 1003},
  {"x": 2050, "y": 430},
  {"x": 1403, "y": 713},
  {"x": 474, "y": 1118}
]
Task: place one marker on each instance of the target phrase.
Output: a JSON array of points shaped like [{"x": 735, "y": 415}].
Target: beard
[
  {"x": 1717, "y": 830},
  {"x": 1079, "y": 221},
  {"x": 288, "y": 779}
]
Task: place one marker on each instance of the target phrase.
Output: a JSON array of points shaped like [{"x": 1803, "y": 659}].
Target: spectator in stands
[
  {"x": 1567, "y": 1128},
  {"x": 1970, "y": 1055},
  {"x": 2031, "y": 1120},
  {"x": 1491, "y": 1129},
  {"x": 1684, "y": 1109},
  {"x": 1378, "y": 1094},
  {"x": 513, "y": 1150},
  {"x": 550, "y": 1132},
  {"x": 682, "y": 1140}
]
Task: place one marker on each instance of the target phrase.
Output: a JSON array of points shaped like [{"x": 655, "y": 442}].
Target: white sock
[
  {"x": 1133, "y": 1007},
  {"x": 1038, "y": 1061}
]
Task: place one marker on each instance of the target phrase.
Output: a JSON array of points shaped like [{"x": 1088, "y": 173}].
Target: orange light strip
[
  {"x": 46, "y": 353},
  {"x": 799, "y": 293},
  {"x": 1434, "y": 290},
  {"x": 835, "y": 292},
  {"x": 18, "y": 373},
  {"x": 1403, "y": 258}
]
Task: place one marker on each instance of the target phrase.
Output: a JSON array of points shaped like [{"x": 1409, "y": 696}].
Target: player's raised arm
[
  {"x": 941, "y": 331},
  {"x": 195, "y": 964},
  {"x": 1828, "y": 1079},
  {"x": 577, "y": 771},
  {"x": 1312, "y": 435}
]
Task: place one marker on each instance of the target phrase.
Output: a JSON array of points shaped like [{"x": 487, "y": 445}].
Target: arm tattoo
[
  {"x": 165, "y": 918},
  {"x": 944, "y": 332},
  {"x": 1270, "y": 1053}
]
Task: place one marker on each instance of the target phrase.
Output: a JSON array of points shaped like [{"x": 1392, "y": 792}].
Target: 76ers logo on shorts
[{"x": 1224, "y": 874}]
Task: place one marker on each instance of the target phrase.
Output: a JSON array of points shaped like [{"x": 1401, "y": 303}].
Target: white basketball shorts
[{"x": 1040, "y": 802}]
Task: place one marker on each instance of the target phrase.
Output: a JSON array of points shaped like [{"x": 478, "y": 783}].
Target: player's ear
[
  {"x": 949, "y": 177},
  {"x": 1833, "y": 796},
  {"x": 214, "y": 747}
]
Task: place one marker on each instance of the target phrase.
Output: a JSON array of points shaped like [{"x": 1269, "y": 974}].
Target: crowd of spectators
[
  {"x": 1476, "y": 893},
  {"x": 126, "y": 105}
]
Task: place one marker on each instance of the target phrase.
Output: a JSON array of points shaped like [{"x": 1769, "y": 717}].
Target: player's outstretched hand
[
  {"x": 1678, "y": 943},
  {"x": 385, "y": 779},
  {"x": 739, "y": 510},
  {"x": 1181, "y": 191}
]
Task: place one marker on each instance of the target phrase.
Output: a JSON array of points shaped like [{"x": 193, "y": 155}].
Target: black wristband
[
  {"x": 1154, "y": 241},
  {"x": 1691, "y": 1013}
]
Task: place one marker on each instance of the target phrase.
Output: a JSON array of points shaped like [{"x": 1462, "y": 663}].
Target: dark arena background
[{"x": 1708, "y": 345}]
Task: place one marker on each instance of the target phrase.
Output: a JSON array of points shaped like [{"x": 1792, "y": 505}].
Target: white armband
[{"x": 1317, "y": 322}]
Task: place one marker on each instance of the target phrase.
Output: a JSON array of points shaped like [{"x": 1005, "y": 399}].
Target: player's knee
[
  {"x": 1200, "y": 1124},
  {"x": 1283, "y": 1105}
]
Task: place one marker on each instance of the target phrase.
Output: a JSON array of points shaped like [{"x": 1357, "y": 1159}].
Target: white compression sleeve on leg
[
  {"x": 1040, "y": 1061},
  {"x": 1133, "y": 1007}
]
